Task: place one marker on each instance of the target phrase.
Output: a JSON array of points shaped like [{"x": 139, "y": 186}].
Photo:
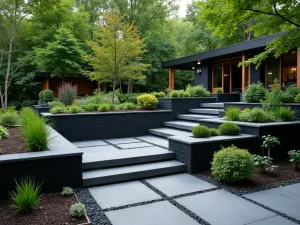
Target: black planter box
[
  {"x": 286, "y": 132},
  {"x": 182, "y": 105},
  {"x": 41, "y": 108},
  {"x": 244, "y": 105},
  {"x": 92, "y": 126},
  {"x": 228, "y": 97},
  {"x": 57, "y": 167},
  {"x": 197, "y": 153}
]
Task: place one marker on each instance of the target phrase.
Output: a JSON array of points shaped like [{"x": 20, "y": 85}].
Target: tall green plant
[
  {"x": 67, "y": 93},
  {"x": 27, "y": 195}
]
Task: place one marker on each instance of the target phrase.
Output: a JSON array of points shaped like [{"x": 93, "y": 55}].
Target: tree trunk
[
  {"x": 128, "y": 87},
  {"x": 113, "y": 94},
  {"x": 4, "y": 106},
  {"x": 121, "y": 87},
  {"x": 269, "y": 152}
]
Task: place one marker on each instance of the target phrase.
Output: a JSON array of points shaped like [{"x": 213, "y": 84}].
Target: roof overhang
[{"x": 186, "y": 63}]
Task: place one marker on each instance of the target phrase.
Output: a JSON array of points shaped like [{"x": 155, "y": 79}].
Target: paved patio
[{"x": 182, "y": 198}]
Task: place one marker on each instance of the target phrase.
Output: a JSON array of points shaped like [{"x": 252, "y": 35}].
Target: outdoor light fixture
[
  {"x": 269, "y": 73},
  {"x": 199, "y": 71},
  {"x": 294, "y": 69},
  {"x": 225, "y": 75},
  {"x": 193, "y": 68},
  {"x": 199, "y": 62}
]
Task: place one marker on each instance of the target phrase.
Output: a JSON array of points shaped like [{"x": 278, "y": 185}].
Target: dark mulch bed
[
  {"x": 284, "y": 172},
  {"x": 52, "y": 209},
  {"x": 14, "y": 143}
]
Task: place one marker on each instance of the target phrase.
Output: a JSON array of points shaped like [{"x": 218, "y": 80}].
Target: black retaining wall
[
  {"x": 182, "y": 105},
  {"x": 198, "y": 156},
  {"x": 92, "y": 126},
  {"x": 230, "y": 97}
]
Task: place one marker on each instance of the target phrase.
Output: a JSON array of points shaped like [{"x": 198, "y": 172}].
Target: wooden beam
[
  {"x": 222, "y": 78},
  {"x": 99, "y": 87},
  {"x": 171, "y": 78},
  {"x": 243, "y": 72},
  {"x": 298, "y": 68},
  {"x": 47, "y": 83},
  {"x": 230, "y": 78}
]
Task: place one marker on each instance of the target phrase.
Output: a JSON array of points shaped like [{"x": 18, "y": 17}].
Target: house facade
[{"x": 218, "y": 68}]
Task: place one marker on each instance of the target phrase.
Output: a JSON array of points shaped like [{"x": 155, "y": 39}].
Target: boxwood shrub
[
  {"x": 147, "y": 101},
  {"x": 198, "y": 91},
  {"x": 232, "y": 164},
  {"x": 229, "y": 128},
  {"x": 201, "y": 131},
  {"x": 255, "y": 93},
  {"x": 214, "y": 132}
]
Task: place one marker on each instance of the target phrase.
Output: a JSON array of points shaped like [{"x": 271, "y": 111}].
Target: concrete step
[
  {"x": 113, "y": 175},
  {"x": 125, "y": 157},
  {"x": 166, "y": 132},
  {"x": 219, "y": 105},
  {"x": 195, "y": 117},
  {"x": 205, "y": 111},
  {"x": 183, "y": 125}
]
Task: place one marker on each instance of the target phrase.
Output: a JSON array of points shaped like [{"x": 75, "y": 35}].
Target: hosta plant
[
  {"x": 295, "y": 158},
  {"x": 3, "y": 132},
  {"x": 270, "y": 142},
  {"x": 264, "y": 163}
]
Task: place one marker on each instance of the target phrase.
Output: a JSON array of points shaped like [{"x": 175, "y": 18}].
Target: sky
[{"x": 182, "y": 6}]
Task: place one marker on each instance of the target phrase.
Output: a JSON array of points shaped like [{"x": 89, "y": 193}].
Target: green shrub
[
  {"x": 28, "y": 103},
  {"x": 74, "y": 109},
  {"x": 229, "y": 128},
  {"x": 127, "y": 106},
  {"x": 255, "y": 93},
  {"x": 265, "y": 163},
  {"x": 294, "y": 155},
  {"x": 292, "y": 92},
  {"x": 159, "y": 94},
  {"x": 186, "y": 94},
  {"x": 147, "y": 101},
  {"x": 90, "y": 107},
  {"x": 197, "y": 91},
  {"x": 16, "y": 104},
  {"x": 232, "y": 113},
  {"x": 201, "y": 132},
  {"x": 214, "y": 132},
  {"x": 46, "y": 95},
  {"x": 219, "y": 91},
  {"x": 56, "y": 104},
  {"x": 67, "y": 93},
  {"x": 256, "y": 115},
  {"x": 67, "y": 191},
  {"x": 3, "y": 132},
  {"x": 174, "y": 94},
  {"x": 129, "y": 97},
  {"x": 9, "y": 119},
  {"x": 26, "y": 196},
  {"x": 232, "y": 164},
  {"x": 58, "y": 109},
  {"x": 106, "y": 107},
  {"x": 297, "y": 98},
  {"x": 274, "y": 97},
  {"x": 35, "y": 131},
  {"x": 77, "y": 210},
  {"x": 285, "y": 114}
]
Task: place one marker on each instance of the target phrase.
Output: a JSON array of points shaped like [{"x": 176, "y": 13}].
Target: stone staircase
[
  {"x": 111, "y": 166},
  {"x": 186, "y": 122}
]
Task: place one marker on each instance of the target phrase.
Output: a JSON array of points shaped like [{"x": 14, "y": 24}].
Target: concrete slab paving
[
  {"x": 122, "y": 194},
  {"x": 155, "y": 140},
  {"x": 98, "y": 149},
  {"x": 179, "y": 184},
  {"x": 81, "y": 144},
  {"x": 276, "y": 220},
  {"x": 295, "y": 188},
  {"x": 122, "y": 141},
  {"x": 279, "y": 199},
  {"x": 223, "y": 208},
  {"x": 134, "y": 145},
  {"x": 159, "y": 213}
]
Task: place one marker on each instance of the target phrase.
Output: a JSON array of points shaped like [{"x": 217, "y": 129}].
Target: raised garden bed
[
  {"x": 286, "y": 132},
  {"x": 243, "y": 105},
  {"x": 52, "y": 209},
  {"x": 182, "y": 105},
  {"x": 92, "y": 126},
  {"x": 57, "y": 167},
  {"x": 259, "y": 180},
  {"x": 14, "y": 143},
  {"x": 227, "y": 97},
  {"x": 41, "y": 108},
  {"x": 197, "y": 153}
]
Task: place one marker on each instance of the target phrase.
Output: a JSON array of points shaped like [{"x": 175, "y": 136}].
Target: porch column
[
  {"x": 243, "y": 72},
  {"x": 99, "y": 87},
  {"x": 47, "y": 83},
  {"x": 298, "y": 68},
  {"x": 171, "y": 78}
]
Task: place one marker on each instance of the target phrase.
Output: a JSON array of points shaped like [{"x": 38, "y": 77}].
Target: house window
[
  {"x": 272, "y": 70},
  {"x": 217, "y": 76}
]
